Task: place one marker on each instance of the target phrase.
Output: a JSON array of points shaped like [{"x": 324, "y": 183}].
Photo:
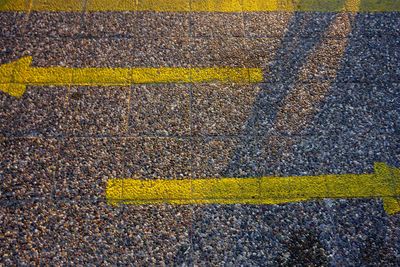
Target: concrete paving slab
[
  {"x": 381, "y": 24},
  {"x": 157, "y": 158},
  {"x": 28, "y": 168},
  {"x": 54, "y": 24},
  {"x": 322, "y": 100},
  {"x": 40, "y": 112},
  {"x": 165, "y": 24},
  {"x": 93, "y": 233},
  {"x": 165, "y": 51},
  {"x": 372, "y": 234},
  {"x": 260, "y": 235},
  {"x": 221, "y": 109},
  {"x": 110, "y": 24},
  {"x": 211, "y": 155},
  {"x": 85, "y": 165},
  {"x": 160, "y": 110},
  {"x": 82, "y": 117},
  {"x": 228, "y": 52},
  {"x": 365, "y": 60},
  {"x": 267, "y": 24},
  {"x": 217, "y": 24},
  {"x": 12, "y": 24},
  {"x": 394, "y": 59}
]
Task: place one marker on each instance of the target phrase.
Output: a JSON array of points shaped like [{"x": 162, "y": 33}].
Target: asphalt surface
[{"x": 60, "y": 144}]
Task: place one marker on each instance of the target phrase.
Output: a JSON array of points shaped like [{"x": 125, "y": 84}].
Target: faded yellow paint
[
  {"x": 16, "y": 75},
  {"x": 202, "y": 5},
  {"x": 54, "y": 76},
  {"x": 162, "y": 6},
  {"x": 14, "y": 5},
  {"x": 101, "y": 76},
  {"x": 216, "y": 6},
  {"x": 57, "y": 5},
  {"x": 258, "y": 5},
  {"x": 161, "y": 75},
  {"x": 384, "y": 183},
  {"x": 224, "y": 74},
  {"x": 110, "y": 5}
]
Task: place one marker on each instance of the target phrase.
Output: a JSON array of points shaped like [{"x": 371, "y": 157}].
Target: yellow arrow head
[
  {"x": 8, "y": 72},
  {"x": 390, "y": 178}
]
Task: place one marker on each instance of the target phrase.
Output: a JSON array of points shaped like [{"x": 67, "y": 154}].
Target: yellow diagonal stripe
[
  {"x": 384, "y": 183},
  {"x": 199, "y": 5}
]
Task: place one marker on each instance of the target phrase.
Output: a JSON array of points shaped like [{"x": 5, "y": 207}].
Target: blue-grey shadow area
[
  {"x": 292, "y": 54},
  {"x": 356, "y": 124}
]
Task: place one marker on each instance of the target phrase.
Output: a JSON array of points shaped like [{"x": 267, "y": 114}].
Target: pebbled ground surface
[{"x": 60, "y": 144}]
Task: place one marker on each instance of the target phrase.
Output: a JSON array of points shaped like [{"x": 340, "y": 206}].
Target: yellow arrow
[
  {"x": 15, "y": 76},
  {"x": 384, "y": 183}
]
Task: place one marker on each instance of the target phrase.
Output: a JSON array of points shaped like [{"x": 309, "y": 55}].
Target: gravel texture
[
  {"x": 54, "y": 24},
  {"x": 221, "y": 109},
  {"x": 40, "y": 112},
  {"x": 110, "y": 24},
  {"x": 394, "y": 60},
  {"x": 318, "y": 111},
  {"x": 165, "y": 24},
  {"x": 366, "y": 60},
  {"x": 12, "y": 24},
  {"x": 261, "y": 235},
  {"x": 85, "y": 164},
  {"x": 217, "y": 25},
  {"x": 211, "y": 155},
  {"x": 96, "y": 111},
  {"x": 225, "y": 51},
  {"x": 162, "y": 52},
  {"x": 28, "y": 168},
  {"x": 160, "y": 110},
  {"x": 266, "y": 24},
  {"x": 93, "y": 233},
  {"x": 156, "y": 158}
]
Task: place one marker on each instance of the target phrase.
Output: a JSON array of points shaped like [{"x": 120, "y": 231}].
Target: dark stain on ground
[
  {"x": 76, "y": 96},
  {"x": 303, "y": 249}
]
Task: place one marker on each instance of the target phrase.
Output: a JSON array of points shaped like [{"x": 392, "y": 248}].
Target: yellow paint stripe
[
  {"x": 216, "y": 6},
  {"x": 57, "y": 5},
  {"x": 384, "y": 183},
  {"x": 54, "y": 76},
  {"x": 161, "y": 75},
  {"x": 15, "y": 90},
  {"x": 100, "y": 76},
  {"x": 162, "y": 6},
  {"x": 110, "y": 5},
  {"x": 223, "y": 74},
  {"x": 16, "y": 75},
  {"x": 201, "y": 5},
  {"x": 14, "y": 5}
]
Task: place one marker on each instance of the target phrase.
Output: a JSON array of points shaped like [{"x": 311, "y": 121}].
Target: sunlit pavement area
[{"x": 200, "y": 132}]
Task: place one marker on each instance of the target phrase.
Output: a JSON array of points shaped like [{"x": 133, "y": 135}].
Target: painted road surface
[{"x": 200, "y": 132}]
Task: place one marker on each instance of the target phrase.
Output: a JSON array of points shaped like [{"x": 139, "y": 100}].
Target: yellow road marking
[
  {"x": 16, "y": 75},
  {"x": 384, "y": 183},
  {"x": 199, "y": 5}
]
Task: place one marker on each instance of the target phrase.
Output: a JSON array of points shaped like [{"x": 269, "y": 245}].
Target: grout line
[
  {"x": 190, "y": 86},
  {"x": 159, "y": 136},
  {"x": 245, "y": 37},
  {"x": 33, "y": 199},
  {"x": 126, "y": 126}
]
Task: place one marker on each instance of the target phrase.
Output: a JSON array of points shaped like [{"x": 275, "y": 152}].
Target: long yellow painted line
[
  {"x": 384, "y": 183},
  {"x": 15, "y": 76},
  {"x": 197, "y": 5}
]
